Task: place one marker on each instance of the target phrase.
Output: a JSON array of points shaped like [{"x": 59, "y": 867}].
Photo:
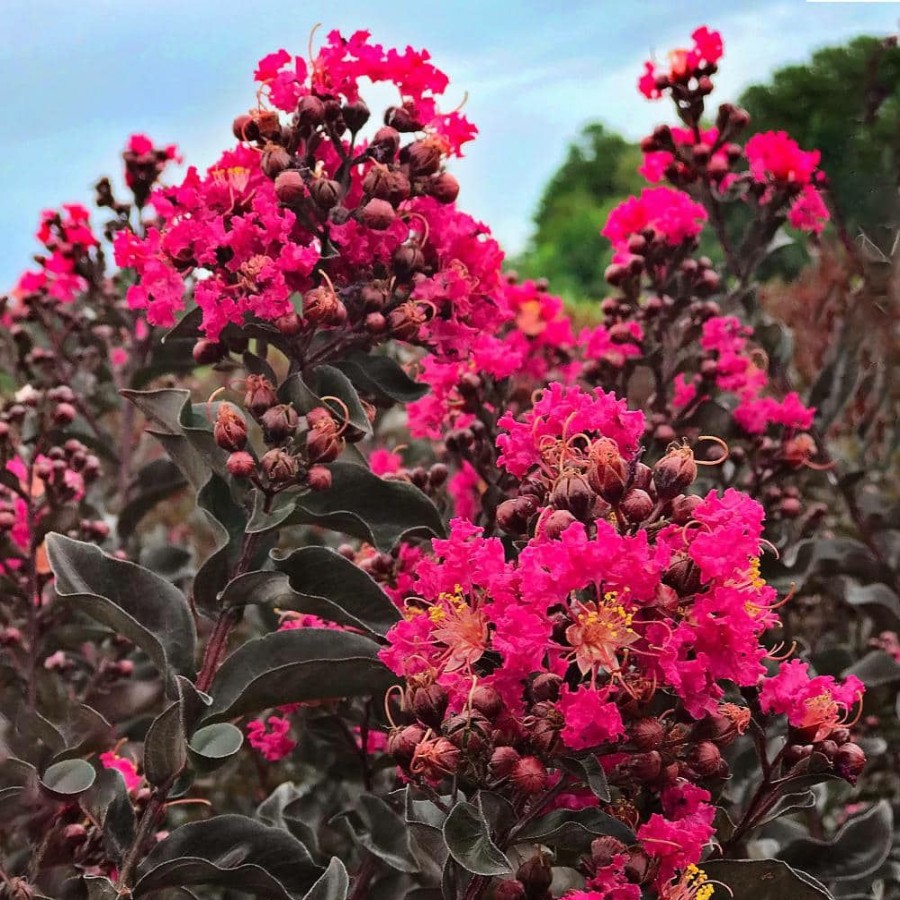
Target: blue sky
[{"x": 79, "y": 77}]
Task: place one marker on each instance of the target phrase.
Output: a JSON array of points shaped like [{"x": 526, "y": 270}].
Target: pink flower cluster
[
  {"x": 672, "y": 215},
  {"x": 777, "y": 161},
  {"x": 622, "y": 590},
  {"x": 684, "y": 64},
  {"x": 343, "y": 62},
  {"x": 68, "y": 238},
  {"x": 738, "y": 372}
]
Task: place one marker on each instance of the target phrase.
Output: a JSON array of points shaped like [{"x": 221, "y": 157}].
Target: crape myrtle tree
[{"x": 338, "y": 564}]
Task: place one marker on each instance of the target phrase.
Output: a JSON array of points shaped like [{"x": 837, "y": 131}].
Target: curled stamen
[
  {"x": 776, "y": 655},
  {"x": 849, "y": 723},
  {"x": 715, "y": 440},
  {"x": 309, "y": 43},
  {"x": 330, "y": 283},
  {"x": 429, "y": 305},
  {"x": 766, "y": 543},
  {"x": 425, "y": 228},
  {"x": 346, "y": 412},
  {"x": 462, "y": 103},
  {"x": 387, "y": 703},
  {"x": 819, "y": 467},
  {"x": 693, "y": 523},
  {"x": 207, "y": 406}
]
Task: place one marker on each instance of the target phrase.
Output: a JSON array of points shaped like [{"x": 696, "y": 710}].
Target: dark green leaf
[
  {"x": 296, "y": 666},
  {"x": 363, "y": 505},
  {"x": 109, "y": 805},
  {"x": 330, "y": 586},
  {"x": 163, "y": 409},
  {"x": 468, "y": 839},
  {"x": 69, "y": 777},
  {"x": 165, "y": 752},
  {"x": 100, "y": 888},
  {"x": 283, "y": 809},
  {"x": 876, "y": 668},
  {"x": 589, "y": 770},
  {"x": 325, "y": 387},
  {"x": 227, "y": 520},
  {"x": 787, "y": 803},
  {"x": 155, "y": 482},
  {"x": 567, "y": 827},
  {"x": 764, "y": 879},
  {"x": 377, "y": 828},
  {"x": 213, "y": 745},
  {"x": 382, "y": 377},
  {"x": 876, "y": 597},
  {"x": 333, "y": 885},
  {"x": 858, "y": 848},
  {"x": 128, "y": 598},
  {"x": 233, "y": 852}
]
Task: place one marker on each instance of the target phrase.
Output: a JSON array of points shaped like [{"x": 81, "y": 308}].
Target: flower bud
[
  {"x": 243, "y": 128},
  {"x": 645, "y": 767},
  {"x": 536, "y": 876},
  {"x": 355, "y": 115},
  {"x": 444, "y": 188},
  {"x": 486, "y": 700},
  {"x": 385, "y": 144},
  {"x": 290, "y": 189},
  {"x": 260, "y": 394},
  {"x": 545, "y": 688},
  {"x": 428, "y": 704},
  {"x": 604, "y": 849},
  {"x": 319, "y": 478},
  {"x": 325, "y": 192},
  {"x": 683, "y": 575},
  {"x": 636, "y": 505},
  {"x": 646, "y": 734},
  {"x": 274, "y": 160},
  {"x": 509, "y": 889},
  {"x": 705, "y": 758},
  {"x": 849, "y": 761},
  {"x": 503, "y": 761},
  {"x": 279, "y": 422},
  {"x": 674, "y": 472},
  {"x": 230, "y": 429},
  {"x": 64, "y": 414},
  {"x": 408, "y": 258},
  {"x": 424, "y": 157},
  {"x": 529, "y": 775},
  {"x": 468, "y": 732},
  {"x": 573, "y": 493},
  {"x": 279, "y": 467},
  {"x": 321, "y": 306},
  {"x": 403, "y": 118},
  {"x": 683, "y": 508},
  {"x": 607, "y": 472},
  {"x": 406, "y": 320},
  {"x": 557, "y": 522},
  {"x": 402, "y": 743},
  {"x": 377, "y": 214},
  {"x": 435, "y": 758},
  {"x": 206, "y": 353},
  {"x": 241, "y": 464},
  {"x": 514, "y": 515},
  {"x": 310, "y": 111}
]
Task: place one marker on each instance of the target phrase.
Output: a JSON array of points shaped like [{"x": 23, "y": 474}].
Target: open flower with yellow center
[
  {"x": 462, "y": 628},
  {"x": 599, "y": 633},
  {"x": 694, "y": 884},
  {"x": 821, "y": 715}
]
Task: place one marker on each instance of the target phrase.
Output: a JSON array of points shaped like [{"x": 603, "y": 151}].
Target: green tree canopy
[{"x": 599, "y": 171}]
